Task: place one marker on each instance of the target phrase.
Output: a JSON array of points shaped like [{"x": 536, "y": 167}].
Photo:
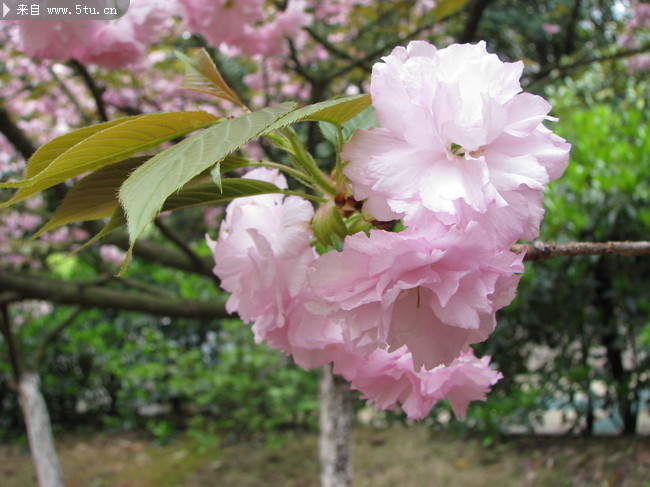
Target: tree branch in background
[
  {"x": 297, "y": 65},
  {"x": 15, "y": 135},
  {"x": 331, "y": 48},
  {"x": 82, "y": 294},
  {"x": 177, "y": 240},
  {"x": 86, "y": 119},
  {"x": 161, "y": 254},
  {"x": 141, "y": 286},
  {"x": 562, "y": 69},
  {"x": 544, "y": 250},
  {"x": 51, "y": 336},
  {"x": 473, "y": 19},
  {"x": 570, "y": 31},
  {"x": 95, "y": 90}
]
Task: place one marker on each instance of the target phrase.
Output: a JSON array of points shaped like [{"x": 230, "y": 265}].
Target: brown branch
[
  {"x": 9, "y": 297},
  {"x": 70, "y": 96},
  {"x": 297, "y": 65},
  {"x": 473, "y": 19},
  {"x": 570, "y": 39},
  {"x": 84, "y": 295},
  {"x": 548, "y": 250},
  {"x": 95, "y": 90},
  {"x": 178, "y": 241},
  {"x": 141, "y": 286},
  {"x": 564, "y": 68},
  {"x": 15, "y": 135},
  {"x": 323, "y": 41},
  {"x": 154, "y": 252},
  {"x": 51, "y": 336}
]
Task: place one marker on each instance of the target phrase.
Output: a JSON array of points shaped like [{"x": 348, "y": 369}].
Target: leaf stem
[
  {"x": 339, "y": 148},
  {"x": 307, "y": 162},
  {"x": 296, "y": 174},
  {"x": 311, "y": 197}
]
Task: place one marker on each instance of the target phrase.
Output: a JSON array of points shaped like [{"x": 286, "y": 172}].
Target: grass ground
[{"x": 396, "y": 457}]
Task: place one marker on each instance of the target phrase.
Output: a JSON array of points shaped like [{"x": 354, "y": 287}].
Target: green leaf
[
  {"x": 93, "y": 197},
  {"x": 110, "y": 145},
  {"x": 445, "y": 8},
  {"x": 362, "y": 121},
  {"x": 57, "y": 146},
  {"x": 337, "y": 111},
  {"x": 329, "y": 133},
  {"x": 116, "y": 221},
  {"x": 202, "y": 75},
  {"x": 145, "y": 191},
  {"x": 143, "y": 194},
  {"x": 198, "y": 194},
  {"x": 216, "y": 176},
  {"x": 208, "y": 193},
  {"x": 232, "y": 162}
]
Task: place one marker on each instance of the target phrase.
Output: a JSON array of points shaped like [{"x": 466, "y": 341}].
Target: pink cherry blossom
[
  {"x": 112, "y": 254},
  {"x": 54, "y": 39},
  {"x": 552, "y": 29},
  {"x": 111, "y": 44},
  {"x": 261, "y": 257},
  {"x": 270, "y": 38},
  {"x": 387, "y": 379},
  {"x": 123, "y": 42},
  {"x": 221, "y": 21},
  {"x": 457, "y": 119},
  {"x": 637, "y": 30},
  {"x": 114, "y": 45},
  {"x": 435, "y": 290},
  {"x": 151, "y": 19}
]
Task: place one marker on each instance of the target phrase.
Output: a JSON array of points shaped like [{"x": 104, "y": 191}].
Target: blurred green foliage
[
  {"x": 577, "y": 332},
  {"x": 589, "y": 316},
  {"x": 129, "y": 371}
]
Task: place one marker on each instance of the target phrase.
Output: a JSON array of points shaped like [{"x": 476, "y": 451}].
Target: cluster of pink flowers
[
  {"x": 461, "y": 158},
  {"x": 250, "y": 27},
  {"x": 264, "y": 259},
  {"x": 637, "y": 30},
  {"x": 255, "y": 28},
  {"x": 112, "y": 44}
]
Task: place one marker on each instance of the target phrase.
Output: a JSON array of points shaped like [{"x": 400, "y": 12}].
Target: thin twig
[
  {"x": 95, "y": 90},
  {"x": 328, "y": 45},
  {"x": 548, "y": 250},
  {"x": 563, "y": 68},
  {"x": 73, "y": 99},
  {"x": 141, "y": 286},
  {"x": 169, "y": 234},
  {"x": 51, "y": 336},
  {"x": 15, "y": 135},
  {"x": 474, "y": 17},
  {"x": 297, "y": 65}
]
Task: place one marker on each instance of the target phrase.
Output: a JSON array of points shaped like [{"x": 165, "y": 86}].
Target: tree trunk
[
  {"x": 39, "y": 431},
  {"x": 336, "y": 427}
]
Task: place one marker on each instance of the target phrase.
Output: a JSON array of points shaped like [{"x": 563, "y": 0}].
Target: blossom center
[{"x": 459, "y": 151}]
